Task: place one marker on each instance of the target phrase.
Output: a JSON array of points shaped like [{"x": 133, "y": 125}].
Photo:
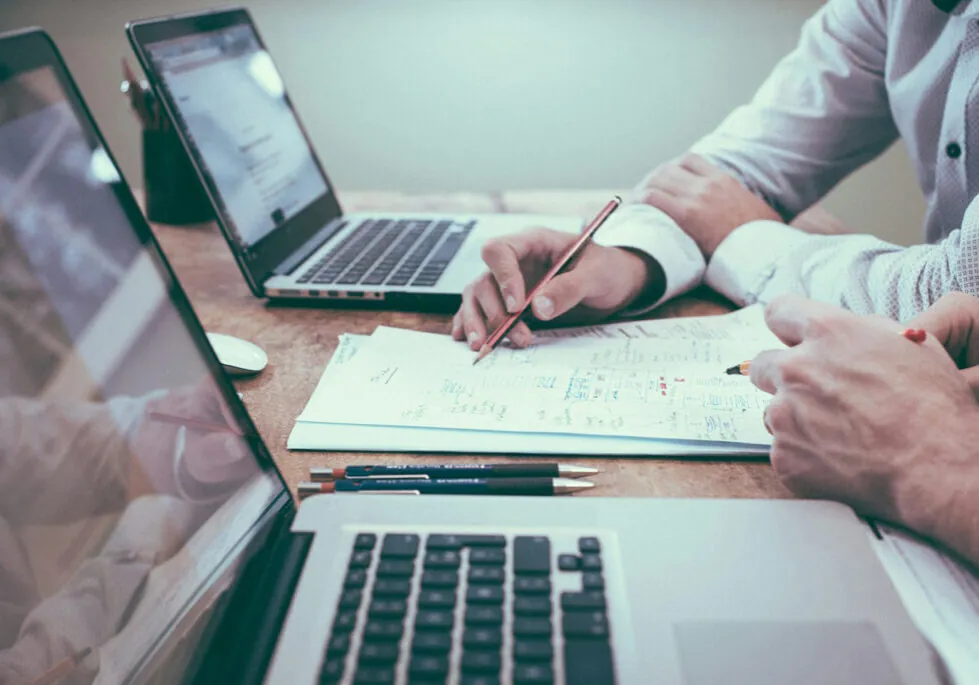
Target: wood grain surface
[{"x": 300, "y": 340}]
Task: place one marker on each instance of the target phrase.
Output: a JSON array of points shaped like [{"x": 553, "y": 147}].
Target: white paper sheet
[
  {"x": 942, "y": 596},
  {"x": 634, "y": 388}
]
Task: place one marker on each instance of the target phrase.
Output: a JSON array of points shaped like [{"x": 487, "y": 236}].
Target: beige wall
[{"x": 434, "y": 95}]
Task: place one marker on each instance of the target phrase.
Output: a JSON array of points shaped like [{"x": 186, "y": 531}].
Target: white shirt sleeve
[
  {"x": 764, "y": 259},
  {"x": 650, "y": 231}
]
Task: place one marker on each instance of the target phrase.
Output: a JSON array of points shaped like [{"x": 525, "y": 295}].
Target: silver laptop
[
  {"x": 146, "y": 535},
  {"x": 272, "y": 198}
]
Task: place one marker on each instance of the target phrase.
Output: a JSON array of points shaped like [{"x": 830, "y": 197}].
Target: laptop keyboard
[
  {"x": 389, "y": 252},
  {"x": 469, "y": 609}
]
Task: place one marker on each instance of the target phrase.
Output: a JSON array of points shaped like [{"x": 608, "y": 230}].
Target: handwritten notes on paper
[{"x": 659, "y": 380}]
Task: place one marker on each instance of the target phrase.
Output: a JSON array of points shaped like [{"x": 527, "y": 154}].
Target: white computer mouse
[{"x": 238, "y": 357}]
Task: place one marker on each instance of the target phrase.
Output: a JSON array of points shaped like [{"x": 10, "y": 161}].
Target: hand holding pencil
[{"x": 601, "y": 281}]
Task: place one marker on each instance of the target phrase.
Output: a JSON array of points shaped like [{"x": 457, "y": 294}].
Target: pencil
[
  {"x": 915, "y": 335},
  {"x": 560, "y": 265},
  {"x": 192, "y": 423}
]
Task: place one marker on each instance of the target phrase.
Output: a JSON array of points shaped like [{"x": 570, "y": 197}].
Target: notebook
[{"x": 648, "y": 388}]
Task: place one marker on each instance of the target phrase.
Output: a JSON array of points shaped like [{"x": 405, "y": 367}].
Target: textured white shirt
[{"x": 865, "y": 72}]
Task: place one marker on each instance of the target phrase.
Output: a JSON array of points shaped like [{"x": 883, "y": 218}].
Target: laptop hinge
[
  {"x": 256, "y": 612},
  {"x": 296, "y": 259}
]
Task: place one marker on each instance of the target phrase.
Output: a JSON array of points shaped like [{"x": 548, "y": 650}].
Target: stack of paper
[{"x": 641, "y": 388}]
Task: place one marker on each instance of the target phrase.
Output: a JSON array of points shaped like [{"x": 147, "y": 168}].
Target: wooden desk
[{"x": 299, "y": 342}]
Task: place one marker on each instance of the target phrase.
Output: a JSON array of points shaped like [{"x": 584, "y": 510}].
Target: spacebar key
[{"x": 588, "y": 662}]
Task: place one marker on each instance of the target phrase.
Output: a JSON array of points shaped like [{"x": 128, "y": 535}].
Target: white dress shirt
[{"x": 864, "y": 73}]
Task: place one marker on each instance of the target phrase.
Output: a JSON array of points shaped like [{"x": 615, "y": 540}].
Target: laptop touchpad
[{"x": 811, "y": 653}]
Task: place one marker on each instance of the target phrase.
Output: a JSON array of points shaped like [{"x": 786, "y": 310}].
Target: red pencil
[{"x": 560, "y": 265}]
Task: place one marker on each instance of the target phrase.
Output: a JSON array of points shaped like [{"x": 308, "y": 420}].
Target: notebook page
[{"x": 628, "y": 387}]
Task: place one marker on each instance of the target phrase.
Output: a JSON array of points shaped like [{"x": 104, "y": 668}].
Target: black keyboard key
[
  {"x": 589, "y": 545},
  {"x": 355, "y": 579},
  {"x": 568, "y": 562},
  {"x": 339, "y": 644},
  {"x": 429, "y": 619},
  {"x": 444, "y": 542},
  {"x": 532, "y": 650},
  {"x": 484, "y": 540},
  {"x": 484, "y": 594},
  {"x": 374, "y": 676},
  {"x": 532, "y": 586},
  {"x": 484, "y": 616},
  {"x": 383, "y": 631},
  {"x": 350, "y": 599},
  {"x": 436, "y": 599},
  {"x": 583, "y": 601},
  {"x": 592, "y": 581},
  {"x": 360, "y": 559},
  {"x": 487, "y": 556},
  {"x": 332, "y": 671},
  {"x": 345, "y": 622},
  {"x": 388, "y": 608},
  {"x": 428, "y": 666},
  {"x": 591, "y": 562},
  {"x": 588, "y": 662},
  {"x": 395, "y": 568},
  {"x": 483, "y": 679},
  {"x": 379, "y": 653},
  {"x": 580, "y": 624},
  {"x": 433, "y": 580},
  {"x": 486, "y": 575},
  {"x": 531, "y": 555},
  {"x": 399, "y": 546},
  {"x": 429, "y": 642},
  {"x": 392, "y": 587},
  {"x": 482, "y": 638},
  {"x": 532, "y": 674},
  {"x": 532, "y": 606},
  {"x": 524, "y": 626},
  {"x": 442, "y": 559},
  {"x": 481, "y": 661}
]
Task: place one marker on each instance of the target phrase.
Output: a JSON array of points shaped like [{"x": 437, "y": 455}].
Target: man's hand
[
  {"x": 862, "y": 415},
  {"x": 954, "y": 321},
  {"x": 706, "y": 202},
  {"x": 601, "y": 281}
]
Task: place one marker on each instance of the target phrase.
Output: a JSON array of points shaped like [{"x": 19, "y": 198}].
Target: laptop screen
[
  {"x": 235, "y": 113},
  {"x": 130, "y": 479}
]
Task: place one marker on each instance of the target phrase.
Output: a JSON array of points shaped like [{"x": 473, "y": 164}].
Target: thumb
[
  {"x": 563, "y": 293},
  {"x": 972, "y": 378}
]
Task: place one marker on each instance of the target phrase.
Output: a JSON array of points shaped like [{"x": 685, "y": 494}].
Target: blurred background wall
[{"x": 441, "y": 95}]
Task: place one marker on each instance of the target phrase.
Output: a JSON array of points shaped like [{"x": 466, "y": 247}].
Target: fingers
[
  {"x": 699, "y": 166},
  {"x": 664, "y": 201},
  {"x": 972, "y": 378},
  {"x": 504, "y": 255},
  {"x": 482, "y": 311},
  {"x": 563, "y": 293},
  {"x": 954, "y": 322},
  {"x": 793, "y": 318},
  {"x": 765, "y": 370}
]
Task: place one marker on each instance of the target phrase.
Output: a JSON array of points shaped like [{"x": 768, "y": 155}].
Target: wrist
[{"x": 646, "y": 277}]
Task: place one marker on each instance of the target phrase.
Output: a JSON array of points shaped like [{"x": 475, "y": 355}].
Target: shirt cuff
[
  {"x": 648, "y": 230},
  {"x": 746, "y": 260}
]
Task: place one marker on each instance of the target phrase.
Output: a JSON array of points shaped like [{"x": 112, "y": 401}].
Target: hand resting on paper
[
  {"x": 862, "y": 415},
  {"x": 602, "y": 281}
]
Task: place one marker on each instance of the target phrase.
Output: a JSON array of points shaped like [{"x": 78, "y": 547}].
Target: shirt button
[{"x": 953, "y": 150}]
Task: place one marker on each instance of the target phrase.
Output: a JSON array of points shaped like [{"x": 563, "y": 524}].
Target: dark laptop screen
[
  {"x": 234, "y": 109},
  {"x": 128, "y": 475}
]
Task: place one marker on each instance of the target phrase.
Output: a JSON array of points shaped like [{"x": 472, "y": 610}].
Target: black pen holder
[{"x": 174, "y": 194}]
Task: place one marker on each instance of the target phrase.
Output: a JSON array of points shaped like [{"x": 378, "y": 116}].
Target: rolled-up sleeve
[{"x": 822, "y": 113}]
